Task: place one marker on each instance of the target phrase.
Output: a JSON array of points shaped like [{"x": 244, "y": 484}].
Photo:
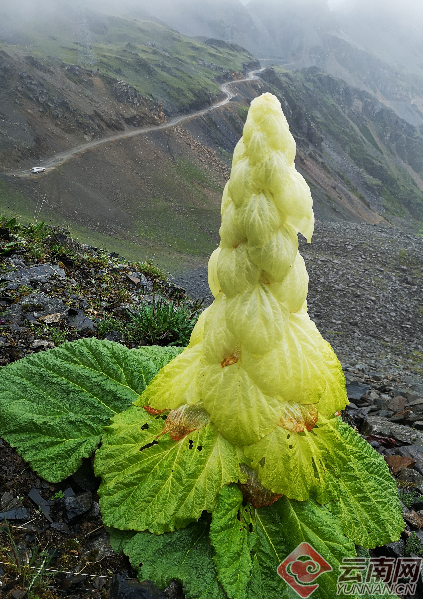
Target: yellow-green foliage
[{"x": 256, "y": 363}]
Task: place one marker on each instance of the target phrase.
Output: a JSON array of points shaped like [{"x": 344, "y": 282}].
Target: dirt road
[{"x": 62, "y": 157}]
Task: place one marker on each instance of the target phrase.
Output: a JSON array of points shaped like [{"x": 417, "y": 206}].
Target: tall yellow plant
[{"x": 256, "y": 363}]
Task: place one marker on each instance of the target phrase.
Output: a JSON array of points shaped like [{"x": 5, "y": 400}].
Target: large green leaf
[
  {"x": 184, "y": 555},
  {"x": 169, "y": 483},
  {"x": 54, "y": 404},
  {"x": 118, "y": 538},
  {"x": 300, "y": 464},
  {"x": 280, "y": 528},
  {"x": 368, "y": 508},
  {"x": 230, "y": 538},
  {"x": 333, "y": 464},
  {"x": 159, "y": 355}
]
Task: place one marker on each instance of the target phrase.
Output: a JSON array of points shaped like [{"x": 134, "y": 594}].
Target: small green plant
[
  {"x": 108, "y": 325},
  {"x": 242, "y": 113},
  {"x": 31, "y": 570},
  {"x": 409, "y": 496},
  {"x": 58, "y": 495},
  {"x": 151, "y": 270},
  {"x": 220, "y": 459},
  {"x": 413, "y": 545},
  {"x": 163, "y": 323},
  {"x": 57, "y": 335},
  {"x": 7, "y": 223}
]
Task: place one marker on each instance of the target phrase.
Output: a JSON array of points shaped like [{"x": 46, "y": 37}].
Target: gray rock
[
  {"x": 385, "y": 413},
  {"x": 8, "y": 502},
  {"x": 356, "y": 390},
  {"x": 397, "y": 403},
  {"x": 80, "y": 321},
  {"x": 382, "y": 426},
  {"x": 62, "y": 527},
  {"x": 18, "y": 514},
  {"x": 415, "y": 402},
  {"x": 34, "y": 306},
  {"x": 395, "y": 549},
  {"x": 77, "y": 506},
  {"x": 132, "y": 588},
  {"x": 32, "y": 275},
  {"x": 43, "y": 504},
  {"x": 101, "y": 545},
  {"x": 411, "y": 476}
]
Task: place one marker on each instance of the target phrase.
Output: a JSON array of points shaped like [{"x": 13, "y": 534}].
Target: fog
[
  {"x": 241, "y": 21},
  {"x": 408, "y": 9}
]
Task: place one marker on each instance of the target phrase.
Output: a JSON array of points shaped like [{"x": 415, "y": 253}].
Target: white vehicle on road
[{"x": 38, "y": 169}]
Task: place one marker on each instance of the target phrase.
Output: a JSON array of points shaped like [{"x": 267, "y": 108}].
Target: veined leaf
[
  {"x": 230, "y": 538},
  {"x": 280, "y": 529},
  {"x": 53, "y": 405},
  {"x": 159, "y": 355},
  {"x": 167, "y": 484},
  {"x": 333, "y": 464},
  {"x": 300, "y": 465},
  {"x": 184, "y": 555},
  {"x": 368, "y": 507},
  {"x": 118, "y": 538}
]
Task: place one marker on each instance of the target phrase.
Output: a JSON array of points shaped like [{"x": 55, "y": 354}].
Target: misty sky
[{"x": 406, "y": 11}]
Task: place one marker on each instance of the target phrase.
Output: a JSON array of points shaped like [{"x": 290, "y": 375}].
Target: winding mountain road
[{"x": 62, "y": 157}]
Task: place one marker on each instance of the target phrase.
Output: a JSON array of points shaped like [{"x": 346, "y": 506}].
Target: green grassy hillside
[{"x": 164, "y": 66}]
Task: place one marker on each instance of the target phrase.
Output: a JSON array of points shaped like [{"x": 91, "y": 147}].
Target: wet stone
[
  {"x": 102, "y": 545},
  {"x": 70, "y": 580},
  {"x": 412, "y": 518},
  {"x": 77, "y": 506},
  {"x": 36, "y": 274},
  {"x": 395, "y": 549},
  {"x": 62, "y": 527},
  {"x": 132, "y": 588},
  {"x": 414, "y": 451},
  {"x": 18, "y": 514},
  {"x": 79, "y": 320},
  {"x": 397, "y": 404},
  {"x": 38, "y": 305},
  {"x": 381, "y": 426},
  {"x": 356, "y": 390},
  {"x": 396, "y": 463},
  {"x": 410, "y": 476},
  {"x": 18, "y": 593}
]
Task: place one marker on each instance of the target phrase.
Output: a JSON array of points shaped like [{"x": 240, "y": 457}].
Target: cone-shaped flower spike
[{"x": 256, "y": 365}]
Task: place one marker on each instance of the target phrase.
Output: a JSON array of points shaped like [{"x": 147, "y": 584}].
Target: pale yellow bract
[{"x": 256, "y": 362}]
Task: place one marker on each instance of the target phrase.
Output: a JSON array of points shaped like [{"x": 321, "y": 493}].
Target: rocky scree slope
[{"x": 364, "y": 294}]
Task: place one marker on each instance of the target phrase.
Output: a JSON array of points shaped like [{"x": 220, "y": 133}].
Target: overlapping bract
[{"x": 256, "y": 362}]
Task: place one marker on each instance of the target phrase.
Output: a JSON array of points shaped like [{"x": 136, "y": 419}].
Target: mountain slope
[
  {"x": 376, "y": 46},
  {"x": 158, "y": 194},
  {"x": 75, "y": 75},
  {"x": 354, "y": 140}
]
